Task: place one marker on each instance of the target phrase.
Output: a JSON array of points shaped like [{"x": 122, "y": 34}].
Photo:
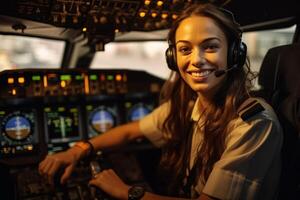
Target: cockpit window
[
  {"x": 147, "y": 56},
  {"x": 20, "y": 52},
  {"x": 259, "y": 42}
]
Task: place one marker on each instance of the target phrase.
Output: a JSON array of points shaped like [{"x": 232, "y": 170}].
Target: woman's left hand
[{"x": 109, "y": 182}]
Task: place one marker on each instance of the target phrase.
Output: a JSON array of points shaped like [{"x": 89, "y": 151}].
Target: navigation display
[
  {"x": 18, "y": 131},
  {"x": 101, "y": 118}
]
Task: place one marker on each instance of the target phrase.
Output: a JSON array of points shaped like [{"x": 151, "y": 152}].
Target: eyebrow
[{"x": 203, "y": 41}]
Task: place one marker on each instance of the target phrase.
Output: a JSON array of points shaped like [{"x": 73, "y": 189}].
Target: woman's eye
[
  {"x": 184, "y": 50},
  {"x": 211, "y": 47}
]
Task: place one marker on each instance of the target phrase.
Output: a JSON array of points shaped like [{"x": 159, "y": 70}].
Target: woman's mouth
[{"x": 201, "y": 74}]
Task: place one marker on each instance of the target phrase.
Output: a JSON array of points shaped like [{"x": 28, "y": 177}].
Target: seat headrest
[{"x": 280, "y": 69}]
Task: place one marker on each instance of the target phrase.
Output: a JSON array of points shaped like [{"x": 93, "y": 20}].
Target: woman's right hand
[{"x": 66, "y": 160}]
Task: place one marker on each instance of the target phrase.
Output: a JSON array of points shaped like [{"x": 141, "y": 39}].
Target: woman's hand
[
  {"x": 52, "y": 163},
  {"x": 109, "y": 182}
]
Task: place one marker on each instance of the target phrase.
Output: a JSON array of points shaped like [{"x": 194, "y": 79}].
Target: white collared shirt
[{"x": 249, "y": 168}]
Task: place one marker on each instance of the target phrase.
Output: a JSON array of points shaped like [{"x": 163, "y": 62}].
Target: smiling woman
[{"x": 198, "y": 57}]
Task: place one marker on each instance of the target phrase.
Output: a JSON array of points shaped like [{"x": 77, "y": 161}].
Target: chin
[{"x": 200, "y": 89}]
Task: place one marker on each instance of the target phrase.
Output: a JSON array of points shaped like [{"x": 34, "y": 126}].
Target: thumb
[{"x": 67, "y": 173}]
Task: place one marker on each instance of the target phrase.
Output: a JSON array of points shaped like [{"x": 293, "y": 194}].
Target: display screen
[
  {"x": 101, "y": 119},
  {"x": 18, "y": 131},
  {"x": 62, "y": 126},
  {"x": 136, "y": 111}
]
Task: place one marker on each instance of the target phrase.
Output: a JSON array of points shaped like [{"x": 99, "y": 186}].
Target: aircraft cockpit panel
[{"x": 47, "y": 111}]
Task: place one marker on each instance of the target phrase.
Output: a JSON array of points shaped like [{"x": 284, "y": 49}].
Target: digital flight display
[
  {"x": 62, "y": 126},
  {"x": 137, "y": 111},
  {"x": 18, "y": 131},
  {"x": 101, "y": 119}
]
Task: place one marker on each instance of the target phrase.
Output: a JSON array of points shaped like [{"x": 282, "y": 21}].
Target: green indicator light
[
  {"x": 89, "y": 107},
  {"x": 110, "y": 77},
  {"x": 2, "y": 112},
  {"x": 93, "y": 77},
  {"x": 61, "y": 109},
  {"x": 79, "y": 77},
  {"x": 65, "y": 77},
  {"x": 36, "y": 78},
  {"x": 128, "y": 104},
  {"x": 47, "y": 109},
  {"x": 74, "y": 110}
]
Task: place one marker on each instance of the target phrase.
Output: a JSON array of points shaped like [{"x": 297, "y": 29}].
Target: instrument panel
[
  {"x": 56, "y": 108},
  {"x": 46, "y": 111}
]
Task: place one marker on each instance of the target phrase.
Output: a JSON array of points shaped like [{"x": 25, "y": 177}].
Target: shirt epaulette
[{"x": 250, "y": 109}]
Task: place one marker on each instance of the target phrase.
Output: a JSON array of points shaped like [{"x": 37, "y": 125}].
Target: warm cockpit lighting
[
  {"x": 118, "y": 77},
  {"x": 142, "y": 14},
  {"x": 147, "y": 2},
  {"x": 10, "y": 80},
  {"x": 21, "y": 80},
  {"x": 14, "y": 92},
  {"x": 164, "y": 15},
  {"x": 159, "y": 3},
  {"x": 63, "y": 84},
  {"x": 154, "y": 14}
]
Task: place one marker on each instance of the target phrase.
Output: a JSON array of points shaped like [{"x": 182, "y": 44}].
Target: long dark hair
[{"x": 222, "y": 109}]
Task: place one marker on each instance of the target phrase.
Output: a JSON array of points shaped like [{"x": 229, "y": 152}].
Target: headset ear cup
[
  {"x": 242, "y": 54},
  {"x": 171, "y": 58},
  {"x": 237, "y": 54}
]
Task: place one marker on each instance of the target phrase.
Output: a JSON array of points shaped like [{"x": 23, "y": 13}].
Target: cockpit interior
[{"x": 73, "y": 69}]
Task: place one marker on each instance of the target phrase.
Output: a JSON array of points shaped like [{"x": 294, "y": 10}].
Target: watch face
[{"x": 136, "y": 193}]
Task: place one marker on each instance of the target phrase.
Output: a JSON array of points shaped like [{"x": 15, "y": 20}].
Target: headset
[{"x": 236, "y": 56}]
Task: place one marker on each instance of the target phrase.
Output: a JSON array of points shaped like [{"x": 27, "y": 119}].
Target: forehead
[{"x": 198, "y": 28}]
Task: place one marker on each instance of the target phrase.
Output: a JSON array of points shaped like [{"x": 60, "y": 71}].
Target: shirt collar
[{"x": 196, "y": 112}]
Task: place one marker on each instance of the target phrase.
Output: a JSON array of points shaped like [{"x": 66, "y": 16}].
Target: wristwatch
[{"x": 136, "y": 193}]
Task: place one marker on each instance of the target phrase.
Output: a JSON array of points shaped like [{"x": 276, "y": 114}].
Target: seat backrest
[{"x": 279, "y": 78}]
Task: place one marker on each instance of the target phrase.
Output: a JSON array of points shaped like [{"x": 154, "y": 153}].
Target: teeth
[{"x": 199, "y": 74}]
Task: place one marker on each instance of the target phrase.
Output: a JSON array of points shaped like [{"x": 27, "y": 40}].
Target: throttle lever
[{"x": 96, "y": 193}]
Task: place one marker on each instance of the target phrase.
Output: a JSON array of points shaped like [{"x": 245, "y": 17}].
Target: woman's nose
[{"x": 197, "y": 58}]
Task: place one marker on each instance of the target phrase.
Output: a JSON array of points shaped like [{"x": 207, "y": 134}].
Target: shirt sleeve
[
  {"x": 250, "y": 150},
  {"x": 151, "y": 125}
]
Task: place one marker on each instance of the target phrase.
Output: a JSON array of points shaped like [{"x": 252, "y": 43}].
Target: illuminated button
[
  {"x": 164, "y": 15},
  {"x": 110, "y": 77},
  {"x": 21, "y": 80},
  {"x": 93, "y": 77},
  {"x": 10, "y": 80},
  {"x": 61, "y": 109},
  {"x": 29, "y": 147},
  {"x": 174, "y": 16},
  {"x": 147, "y": 2},
  {"x": 63, "y": 84},
  {"x": 84, "y": 29},
  {"x": 102, "y": 77},
  {"x": 142, "y": 14},
  {"x": 118, "y": 77},
  {"x": 14, "y": 92},
  {"x": 160, "y": 3},
  {"x": 36, "y": 78},
  {"x": 154, "y": 14},
  {"x": 117, "y": 30}
]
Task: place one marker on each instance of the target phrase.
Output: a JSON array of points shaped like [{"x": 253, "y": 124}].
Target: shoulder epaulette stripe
[{"x": 251, "y": 111}]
